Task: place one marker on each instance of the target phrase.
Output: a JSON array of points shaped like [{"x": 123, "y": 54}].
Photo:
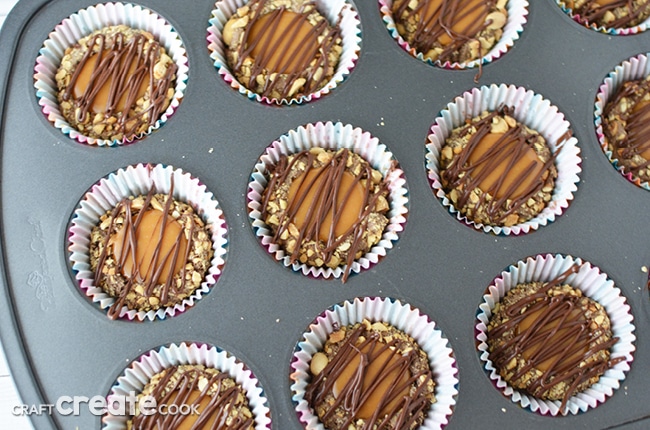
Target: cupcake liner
[
  {"x": 330, "y": 9},
  {"x": 603, "y": 29},
  {"x": 81, "y": 24},
  {"x": 632, "y": 69},
  {"x": 134, "y": 181},
  {"x": 138, "y": 374},
  {"x": 517, "y": 18},
  {"x": 403, "y": 317},
  {"x": 594, "y": 284},
  {"x": 331, "y": 136},
  {"x": 531, "y": 110}
]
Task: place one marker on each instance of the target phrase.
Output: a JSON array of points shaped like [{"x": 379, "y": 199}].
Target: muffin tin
[{"x": 59, "y": 344}]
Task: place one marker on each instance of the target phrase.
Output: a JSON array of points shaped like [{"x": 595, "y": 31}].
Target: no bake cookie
[
  {"x": 151, "y": 251},
  {"x": 203, "y": 397},
  {"x": 115, "y": 83},
  {"x": 497, "y": 171},
  {"x": 325, "y": 207},
  {"x": 549, "y": 340},
  {"x": 282, "y": 49},
  {"x": 610, "y": 13},
  {"x": 626, "y": 126},
  {"x": 370, "y": 375},
  {"x": 455, "y": 31}
]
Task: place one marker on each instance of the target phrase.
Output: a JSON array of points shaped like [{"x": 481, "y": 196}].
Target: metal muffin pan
[{"x": 60, "y": 344}]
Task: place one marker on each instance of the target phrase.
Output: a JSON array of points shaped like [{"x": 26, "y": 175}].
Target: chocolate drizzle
[
  {"x": 465, "y": 176},
  {"x": 147, "y": 284},
  {"x": 391, "y": 411},
  {"x": 312, "y": 57},
  {"x": 175, "y": 388},
  {"x": 580, "y": 354},
  {"x": 634, "y": 139},
  {"x": 326, "y": 203},
  {"x": 594, "y": 11},
  {"x": 124, "y": 64}
]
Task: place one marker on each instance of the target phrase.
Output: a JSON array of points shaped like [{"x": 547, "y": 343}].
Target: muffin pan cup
[
  {"x": 81, "y": 24},
  {"x": 335, "y": 11},
  {"x": 59, "y": 344},
  {"x": 593, "y": 284},
  {"x": 332, "y": 137},
  {"x": 139, "y": 372},
  {"x": 517, "y": 17}
]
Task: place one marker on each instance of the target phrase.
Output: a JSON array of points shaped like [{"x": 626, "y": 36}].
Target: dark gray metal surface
[{"x": 58, "y": 343}]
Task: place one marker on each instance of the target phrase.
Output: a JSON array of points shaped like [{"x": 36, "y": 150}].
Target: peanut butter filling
[{"x": 284, "y": 42}]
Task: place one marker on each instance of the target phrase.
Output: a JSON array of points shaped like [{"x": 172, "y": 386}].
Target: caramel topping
[
  {"x": 552, "y": 332},
  {"x": 196, "y": 398},
  {"x": 159, "y": 241},
  {"x": 104, "y": 99},
  {"x": 282, "y": 41},
  {"x": 377, "y": 381},
  {"x": 503, "y": 166},
  {"x": 454, "y": 20},
  {"x": 310, "y": 189}
]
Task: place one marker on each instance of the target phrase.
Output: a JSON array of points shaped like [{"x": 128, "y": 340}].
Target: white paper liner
[
  {"x": 81, "y": 24},
  {"x": 632, "y": 69},
  {"x": 331, "y": 136},
  {"x": 603, "y": 29},
  {"x": 403, "y": 317},
  {"x": 531, "y": 110},
  {"x": 594, "y": 284},
  {"x": 138, "y": 374},
  {"x": 517, "y": 18},
  {"x": 330, "y": 9},
  {"x": 134, "y": 181}
]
